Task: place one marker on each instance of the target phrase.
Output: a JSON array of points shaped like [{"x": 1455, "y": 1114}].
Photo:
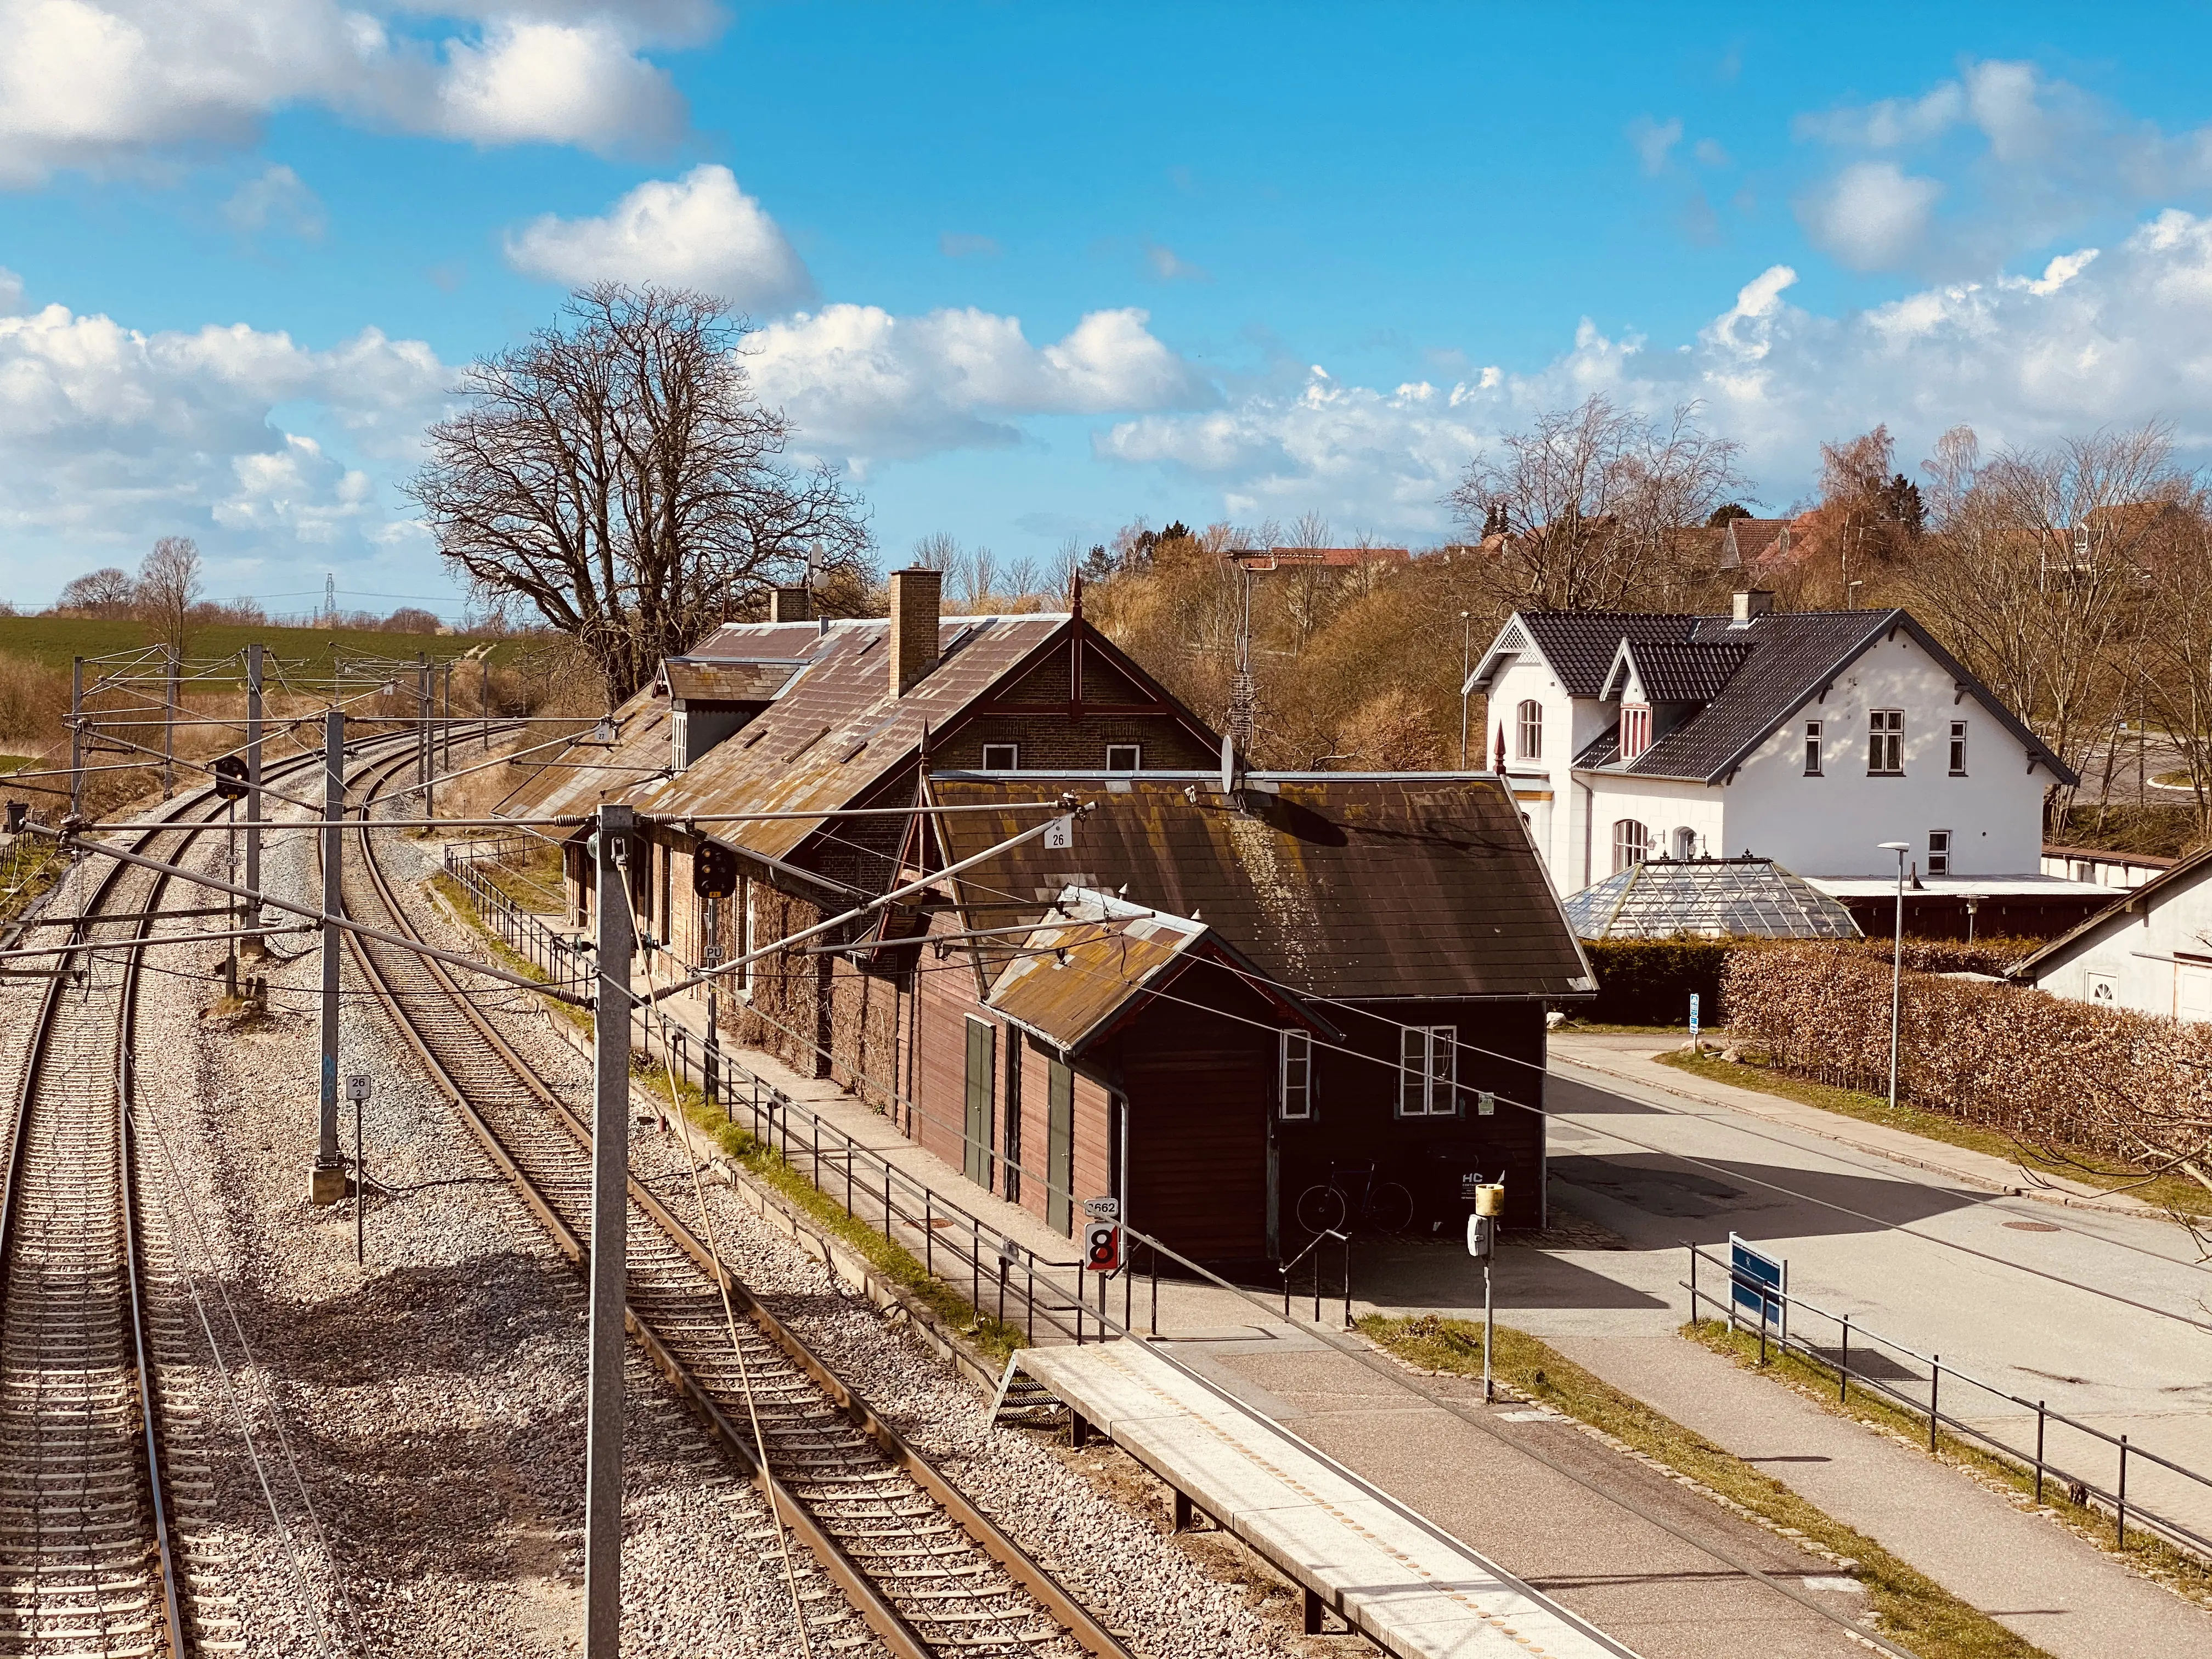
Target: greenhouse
[{"x": 1707, "y": 899}]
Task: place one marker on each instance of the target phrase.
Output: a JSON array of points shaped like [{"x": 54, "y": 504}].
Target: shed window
[
  {"x": 1886, "y": 742},
  {"x": 1631, "y": 844},
  {"x": 1958, "y": 749},
  {"x": 1531, "y": 724},
  {"x": 1295, "y": 1075},
  {"x": 1124, "y": 757},
  {"x": 1812, "y": 749},
  {"x": 1002, "y": 757},
  {"x": 1939, "y": 852},
  {"x": 1635, "y": 730},
  {"x": 1428, "y": 1071}
]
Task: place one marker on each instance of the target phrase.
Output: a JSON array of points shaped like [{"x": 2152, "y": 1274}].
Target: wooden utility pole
[{"x": 169, "y": 724}]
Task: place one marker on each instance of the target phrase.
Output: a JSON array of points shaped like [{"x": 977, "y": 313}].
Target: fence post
[
  {"x": 928, "y": 1224},
  {"x": 2120, "y": 1514},
  {"x": 1153, "y": 1251},
  {"x": 1693, "y": 1283},
  {"x": 1345, "y": 1244},
  {"x": 1843, "y": 1370},
  {"x": 1934, "y": 1381},
  {"x": 1762, "y": 1327},
  {"x": 850, "y": 1148},
  {"x": 976, "y": 1266},
  {"x": 2039, "y": 1451},
  {"x": 1028, "y": 1296},
  {"x": 815, "y": 1120},
  {"x": 887, "y": 1200}
]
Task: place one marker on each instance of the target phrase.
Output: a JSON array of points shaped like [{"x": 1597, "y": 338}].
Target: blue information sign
[
  {"x": 1693, "y": 1013},
  {"x": 1758, "y": 1284}
]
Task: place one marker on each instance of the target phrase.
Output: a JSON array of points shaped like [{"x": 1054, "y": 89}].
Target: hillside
[{"x": 51, "y": 641}]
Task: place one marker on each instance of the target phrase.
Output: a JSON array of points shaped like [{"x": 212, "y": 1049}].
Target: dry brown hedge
[{"x": 2020, "y": 1061}]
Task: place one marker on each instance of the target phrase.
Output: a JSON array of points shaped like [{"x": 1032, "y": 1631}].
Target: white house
[
  {"x": 1807, "y": 737},
  {"x": 2150, "y": 952}
]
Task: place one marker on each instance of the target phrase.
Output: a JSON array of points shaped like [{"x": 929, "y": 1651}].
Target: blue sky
[{"x": 1026, "y": 272}]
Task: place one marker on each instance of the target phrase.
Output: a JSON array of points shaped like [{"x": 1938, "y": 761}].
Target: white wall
[
  {"x": 1661, "y": 805},
  {"x": 2133, "y": 962},
  {"x": 1834, "y": 824}
]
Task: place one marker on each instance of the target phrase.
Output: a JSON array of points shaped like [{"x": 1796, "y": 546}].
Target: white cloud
[
  {"x": 699, "y": 232},
  {"x": 1170, "y": 267},
  {"x": 106, "y": 84},
  {"x": 1872, "y": 215},
  {"x": 11, "y": 292},
  {"x": 277, "y": 198},
  {"x": 1654, "y": 141},
  {"x": 110, "y": 436},
  {"x": 863, "y": 385},
  {"x": 2098, "y": 338}
]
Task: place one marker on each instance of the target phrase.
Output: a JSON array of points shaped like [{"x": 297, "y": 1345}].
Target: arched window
[
  {"x": 1631, "y": 844},
  {"x": 1685, "y": 841},
  {"x": 1532, "y": 730}
]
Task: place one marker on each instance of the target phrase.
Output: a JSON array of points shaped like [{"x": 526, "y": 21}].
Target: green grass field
[{"x": 51, "y": 641}]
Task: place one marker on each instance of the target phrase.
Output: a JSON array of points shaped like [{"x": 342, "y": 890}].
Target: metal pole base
[{"x": 328, "y": 1186}]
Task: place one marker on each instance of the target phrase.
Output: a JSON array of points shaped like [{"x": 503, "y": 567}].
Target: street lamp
[
  {"x": 1466, "y": 669},
  {"x": 1896, "y": 963}
]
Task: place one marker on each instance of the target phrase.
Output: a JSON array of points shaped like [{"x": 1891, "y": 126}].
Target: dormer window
[{"x": 1635, "y": 729}]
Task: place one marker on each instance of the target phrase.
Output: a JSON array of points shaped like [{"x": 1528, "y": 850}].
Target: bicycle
[{"x": 1352, "y": 1192}]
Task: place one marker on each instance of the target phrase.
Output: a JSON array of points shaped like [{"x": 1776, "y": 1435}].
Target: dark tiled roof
[
  {"x": 1581, "y": 645},
  {"x": 1671, "y": 672},
  {"x": 1403, "y": 886}
]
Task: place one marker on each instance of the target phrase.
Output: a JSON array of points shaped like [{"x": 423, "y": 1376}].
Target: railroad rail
[
  {"x": 919, "y": 1566},
  {"x": 104, "y": 1481}
]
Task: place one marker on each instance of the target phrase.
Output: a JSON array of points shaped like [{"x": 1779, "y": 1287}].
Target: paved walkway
[{"x": 1614, "y": 1311}]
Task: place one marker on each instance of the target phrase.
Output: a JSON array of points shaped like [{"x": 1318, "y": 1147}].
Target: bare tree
[
  {"x": 1023, "y": 578},
  {"x": 1592, "y": 500},
  {"x": 1068, "y": 559},
  {"x": 168, "y": 583},
  {"x": 105, "y": 593},
  {"x": 616, "y": 472},
  {"x": 2042, "y": 565},
  {"x": 935, "y": 552},
  {"x": 977, "y": 574}
]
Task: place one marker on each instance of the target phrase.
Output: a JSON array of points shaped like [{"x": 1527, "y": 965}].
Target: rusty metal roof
[
  {"x": 701, "y": 679},
  {"x": 1404, "y": 885},
  {"x": 586, "y": 772}
]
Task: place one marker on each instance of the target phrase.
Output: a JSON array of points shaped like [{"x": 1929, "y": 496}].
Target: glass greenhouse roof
[{"x": 1707, "y": 899}]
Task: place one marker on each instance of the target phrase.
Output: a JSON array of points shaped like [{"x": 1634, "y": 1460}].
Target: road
[{"x": 2107, "y": 1317}]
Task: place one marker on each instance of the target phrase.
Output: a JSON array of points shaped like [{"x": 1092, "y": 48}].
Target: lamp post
[
  {"x": 1466, "y": 668},
  {"x": 1896, "y": 964}
]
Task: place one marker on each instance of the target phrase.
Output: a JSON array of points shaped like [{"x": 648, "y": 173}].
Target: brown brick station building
[{"x": 1207, "y": 1003}]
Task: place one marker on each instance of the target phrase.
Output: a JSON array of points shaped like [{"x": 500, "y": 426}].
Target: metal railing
[
  {"x": 523, "y": 931},
  {"x": 1045, "y": 1295},
  {"x": 1875, "y": 1364},
  {"x": 1313, "y": 1249}
]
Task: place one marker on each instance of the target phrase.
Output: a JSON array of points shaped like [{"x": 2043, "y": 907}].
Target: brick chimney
[
  {"x": 1754, "y": 602},
  {"x": 913, "y": 626},
  {"x": 790, "y": 604}
]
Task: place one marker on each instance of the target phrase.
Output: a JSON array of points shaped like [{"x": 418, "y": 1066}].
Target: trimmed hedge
[
  {"x": 2127, "y": 1086},
  {"x": 1647, "y": 981}
]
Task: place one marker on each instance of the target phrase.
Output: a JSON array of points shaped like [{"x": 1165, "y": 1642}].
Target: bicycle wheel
[
  {"x": 1391, "y": 1208},
  {"x": 1320, "y": 1208}
]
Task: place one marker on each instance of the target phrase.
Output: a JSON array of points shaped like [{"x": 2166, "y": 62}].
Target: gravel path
[{"x": 419, "y": 1422}]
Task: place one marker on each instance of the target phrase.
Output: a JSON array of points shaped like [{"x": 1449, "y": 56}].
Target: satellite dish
[
  {"x": 1228, "y": 765},
  {"x": 816, "y": 577}
]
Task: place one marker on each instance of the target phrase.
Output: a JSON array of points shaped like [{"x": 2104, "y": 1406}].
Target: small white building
[
  {"x": 2150, "y": 952},
  {"x": 1807, "y": 738}
]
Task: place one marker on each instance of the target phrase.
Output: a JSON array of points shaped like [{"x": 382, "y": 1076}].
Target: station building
[{"x": 1228, "y": 987}]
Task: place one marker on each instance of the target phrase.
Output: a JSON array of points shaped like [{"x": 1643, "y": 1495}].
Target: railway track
[
  {"x": 919, "y": 1568},
  {"x": 106, "y": 1492}
]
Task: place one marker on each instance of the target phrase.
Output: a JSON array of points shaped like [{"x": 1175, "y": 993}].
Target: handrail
[{"x": 2043, "y": 1467}]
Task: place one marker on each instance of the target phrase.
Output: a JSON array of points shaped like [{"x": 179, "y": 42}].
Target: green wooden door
[
  {"x": 1059, "y": 1148},
  {"x": 975, "y": 1141}
]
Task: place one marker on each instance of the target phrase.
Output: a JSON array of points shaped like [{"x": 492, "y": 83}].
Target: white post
[
  {"x": 603, "y": 1432},
  {"x": 1896, "y": 965}
]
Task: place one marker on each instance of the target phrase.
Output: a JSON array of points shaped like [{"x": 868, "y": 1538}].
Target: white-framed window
[
  {"x": 2101, "y": 989},
  {"x": 1685, "y": 841},
  {"x": 1886, "y": 742},
  {"x": 1939, "y": 852},
  {"x": 1635, "y": 730},
  {"x": 1428, "y": 1073},
  {"x": 1812, "y": 749},
  {"x": 1958, "y": 749},
  {"x": 1529, "y": 721},
  {"x": 1631, "y": 844},
  {"x": 1125, "y": 758},
  {"x": 1002, "y": 757},
  {"x": 1294, "y": 1095}
]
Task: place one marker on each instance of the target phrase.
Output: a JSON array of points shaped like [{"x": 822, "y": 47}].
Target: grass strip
[
  {"x": 2152, "y": 1556},
  {"x": 1914, "y": 1609},
  {"x": 991, "y": 1337},
  {"x": 2170, "y": 1192}
]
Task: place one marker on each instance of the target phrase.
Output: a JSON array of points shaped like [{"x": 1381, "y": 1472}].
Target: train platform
[{"x": 1404, "y": 1584}]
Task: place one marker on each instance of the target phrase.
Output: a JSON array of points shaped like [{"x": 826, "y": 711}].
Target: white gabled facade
[
  {"x": 2151, "y": 952},
  {"x": 1981, "y": 817}
]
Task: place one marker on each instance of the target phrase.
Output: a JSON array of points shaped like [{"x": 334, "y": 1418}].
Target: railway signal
[
  {"x": 17, "y": 812},
  {"x": 230, "y": 779},
  {"x": 714, "y": 871}
]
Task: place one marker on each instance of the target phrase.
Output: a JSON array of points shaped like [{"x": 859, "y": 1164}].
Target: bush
[
  {"x": 2132, "y": 1088},
  {"x": 1649, "y": 982}
]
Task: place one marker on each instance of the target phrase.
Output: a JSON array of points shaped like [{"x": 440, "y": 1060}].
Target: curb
[{"x": 1965, "y": 1177}]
